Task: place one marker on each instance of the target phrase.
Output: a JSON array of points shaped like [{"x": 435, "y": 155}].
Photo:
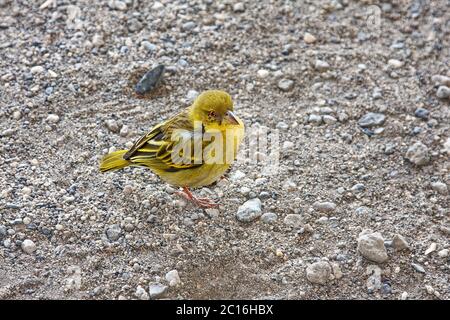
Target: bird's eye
[{"x": 211, "y": 114}]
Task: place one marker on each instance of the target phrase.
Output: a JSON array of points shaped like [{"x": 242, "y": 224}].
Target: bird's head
[{"x": 214, "y": 108}]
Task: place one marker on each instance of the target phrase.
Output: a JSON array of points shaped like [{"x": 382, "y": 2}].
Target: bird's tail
[{"x": 114, "y": 161}]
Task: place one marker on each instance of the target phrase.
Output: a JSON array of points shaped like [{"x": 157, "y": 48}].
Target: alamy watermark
[{"x": 256, "y": 144}]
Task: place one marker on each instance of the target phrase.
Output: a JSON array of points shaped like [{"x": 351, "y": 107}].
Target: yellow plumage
[{"x": 209, "y": 123}]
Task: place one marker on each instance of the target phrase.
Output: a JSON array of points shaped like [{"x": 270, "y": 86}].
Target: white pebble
[
  {"x": 439, "y": 187},
  {"x": 37, "y": 69},
  {"x": 443, "y": 92},
  {"x": 325, "y": 206},
  {"x": 53, "y": 118},
  {"x": 309, "y": 38},
  {"x": 28, "y": 246},
  {"x": 263, "y": 73},
  {"x": 321, "y": 65},
  {"x": 395, "y": 63},
  {"x": 173, "y": 278},
  {"x": 443, "y": 253},
  {"x": 431, "y": 248}
]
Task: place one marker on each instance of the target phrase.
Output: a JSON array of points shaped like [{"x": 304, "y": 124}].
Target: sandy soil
[{"x": 309, "y": 70}]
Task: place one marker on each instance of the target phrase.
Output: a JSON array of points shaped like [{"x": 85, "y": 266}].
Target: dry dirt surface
[{"x": 358, "y": 92}]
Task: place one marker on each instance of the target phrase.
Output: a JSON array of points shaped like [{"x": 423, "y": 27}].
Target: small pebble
[
  {"x": 37, "y": 70},
  {"x": 238, "y": 7},
  {"x": 315, "y": 119},
  {"x": 418, "y": 154},
  {"x": 286, "y": 85},
  {"x": 321, "y": 65},
  {"x": 269, "y": 217},
  {"x": 439, "y": 187},
  {"x": 113, "y": 232},
  {"x": 371, "y": 246},
  {"x": 150, "y": 80},
  {"x": 399, "y": 243},
  {"x": 188, "y": 26},
  {"x": 17, "y": 115},
  {"x": 52, "y": 118},
  {"x": 148, "y": 46},
  {"x": 141, "y": 294},
  {"x": 441, "y": 80},
  {"x": 329, "y": 119},
  {"x": 431, "y": 248},
  {"x": 293, "y": 220},
  {"x": 422, "y": 113},
  {"x": 173, "y": 278},
  {"x": 325, "y": 207},
  {"x": 443, "y": 92},
  {"x": 318, "y": 272},
  {"x": 418, "y": 267},
  {"x": 371, "y": 119},
  {"x": 249, "y": 211},
  {"x": 157, "y": 290},
  {"x": 357, "y": 188},
  {"x": 443, "y": 253},
  {"x": 263, "y": 73},
  {"x": 28, "y": 246},
  {"x": 309, "y": 38},
  {"x": 112, "y": 125},
  {"x": 124, "y": 131},
  {"x": 395, "y": 63}
]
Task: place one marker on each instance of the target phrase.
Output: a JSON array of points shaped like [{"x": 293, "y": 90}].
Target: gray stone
[
  {"x": 441, "y": 80},
  {"x": 148, "y": 45},
  {"x": 249, "y": 211},
  {"x": 418, "y": 267},
  {"x": 141, "y": 294},
  {"x": 371, "y": 246},
  {"x": 319, "y": 272},
  {"x": 286, "y": 85},
  {"x": 28, "y": 246},
  {"x": 399, "y": 243},
  {"x": 325, "y": 206},
  {"x": 112, "y": 125},
  {"x": 418, "y": 154},
  {"x": 173, "y": 278},
  {"x": 188, "y": 26},
  {"x": 329, "y": 119},
  {"x": 315, "y": 119},
  {"x": 37, "y": 69},
  {"x": 422, "y": 113},
  {"x": 443, "y": 92},
  {"x": 157, "y": 290},
  {"x": 238, "y": 7},
  {"x": 374, "y": 280},
  {"x": 439, "y": 187},
  {"x": 371, "y": 119},
  {"x": 293, "y": 220},
  {"x": 321, "y": 65},
  {"x": 3, "y": 231},
  {"x": 52, "y": 118},
  {"x": 269, "y": 217},
  {"x": 113, "y": 232}
]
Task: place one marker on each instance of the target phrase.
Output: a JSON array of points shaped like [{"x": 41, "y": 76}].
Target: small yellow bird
[{"x": 192, "y": 149}]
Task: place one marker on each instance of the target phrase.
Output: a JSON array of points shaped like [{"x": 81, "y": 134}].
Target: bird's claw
[
  {"x": 205, "y": 203},
  {"x": 201, "y": 202}
]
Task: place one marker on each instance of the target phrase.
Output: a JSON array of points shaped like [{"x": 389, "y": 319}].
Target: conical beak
[{"x": 231, "y": 118}]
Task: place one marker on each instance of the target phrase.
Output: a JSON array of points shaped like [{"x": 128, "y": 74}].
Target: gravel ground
[{"x": 359, "y": 206}]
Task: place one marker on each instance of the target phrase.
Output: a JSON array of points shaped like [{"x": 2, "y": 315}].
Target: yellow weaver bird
[{"x": 192, "y": 149}]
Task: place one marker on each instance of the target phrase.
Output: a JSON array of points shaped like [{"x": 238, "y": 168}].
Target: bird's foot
[{"x": 201, "y": 202}]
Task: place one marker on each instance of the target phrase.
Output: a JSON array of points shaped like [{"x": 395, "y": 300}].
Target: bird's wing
[{"x": 155, "y": 148}]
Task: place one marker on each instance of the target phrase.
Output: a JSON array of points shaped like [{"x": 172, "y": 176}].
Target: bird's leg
[{"x": 201, "y": 202}]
